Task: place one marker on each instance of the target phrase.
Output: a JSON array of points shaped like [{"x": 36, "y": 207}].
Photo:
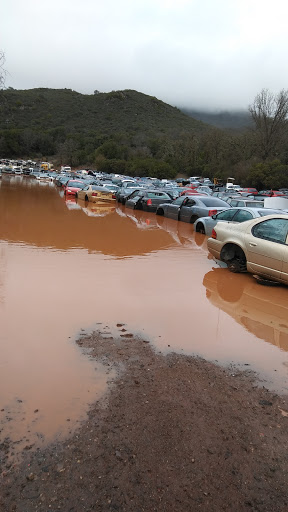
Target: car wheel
[
  {"x": 160, "y": 211},
  {"x": 200, "y": 228},
  {"x": 86, "y": 198},
  {"x": 237, "y": 265}
]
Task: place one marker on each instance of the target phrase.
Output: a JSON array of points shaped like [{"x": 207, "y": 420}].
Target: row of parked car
[{"x": 243, "y": 234}]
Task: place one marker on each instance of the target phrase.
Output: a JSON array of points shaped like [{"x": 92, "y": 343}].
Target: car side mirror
[{"x": 214, "y": 217}]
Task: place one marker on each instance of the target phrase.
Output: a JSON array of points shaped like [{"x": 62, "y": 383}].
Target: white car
[{"x": 259, "y": 246}]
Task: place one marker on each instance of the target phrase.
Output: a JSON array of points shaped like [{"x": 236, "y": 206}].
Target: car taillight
[
  {"x": 94, "y": 194},
  {"x": 212, "y": 212},
  {"x": 214, "y": 234},
  {"x": 149, "y": 202},
  {"x": 113, "y": 196}
]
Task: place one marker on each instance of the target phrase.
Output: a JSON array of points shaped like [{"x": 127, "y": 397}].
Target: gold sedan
[{"x": 96, "y": 194}]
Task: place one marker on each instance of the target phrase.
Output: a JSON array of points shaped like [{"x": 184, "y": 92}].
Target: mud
[{"x": 173, "y": 433}]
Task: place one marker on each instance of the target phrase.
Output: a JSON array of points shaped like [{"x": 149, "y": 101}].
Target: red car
[
  {"x": 250, "y": 190},
  {"x": 192, "y": 192},
  {"x": 271, "y": 193},
  {"x": 74, "y": 186}
]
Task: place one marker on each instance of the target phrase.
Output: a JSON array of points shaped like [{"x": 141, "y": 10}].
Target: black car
[{"x": 147, "y": 200}]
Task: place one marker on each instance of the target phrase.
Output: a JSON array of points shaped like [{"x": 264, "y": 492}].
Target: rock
[
  {"x": 118, "y": 455},
  {"x": 30, "y": 477},
  {"x": 265, "y": 402}
]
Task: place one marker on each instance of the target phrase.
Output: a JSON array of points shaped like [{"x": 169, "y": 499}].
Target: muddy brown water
[{"x": 67, "y": 267}]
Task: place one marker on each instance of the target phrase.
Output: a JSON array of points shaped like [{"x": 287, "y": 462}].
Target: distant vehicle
[
  {"x": 259, "y": 246},
  {"x": 205, "y": 189},
  {"x": 111, "y": 187},
  {"x": 271, "y": 193},
  {"x": 250, "y": 190},
  {"x": 205, "y": 225},
  {"x": 147, "y": 200},
  {"x": 45, "y": 166},
  {"x": 190, "y": 208},
  {"x": 65, "y": 168}
]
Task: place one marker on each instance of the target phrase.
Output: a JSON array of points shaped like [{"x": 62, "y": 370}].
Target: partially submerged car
[
  {"x": 190, "y": 208},
  {"x": 147, "y": 200},
  {"x": 96, "y": 194},
  {"x": 259, "y": 246},
  {"x": 73, "y": 187}
]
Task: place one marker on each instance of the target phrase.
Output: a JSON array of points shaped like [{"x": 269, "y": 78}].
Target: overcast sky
[{"x": 213, "y": 54}]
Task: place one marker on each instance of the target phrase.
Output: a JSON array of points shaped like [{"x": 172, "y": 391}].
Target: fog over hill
[{"x": 224, "y": 119}]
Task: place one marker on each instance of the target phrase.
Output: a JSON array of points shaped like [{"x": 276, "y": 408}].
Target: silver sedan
[
  {"x": 189, "y": 209},
  {"x": 206, "y": 224}
]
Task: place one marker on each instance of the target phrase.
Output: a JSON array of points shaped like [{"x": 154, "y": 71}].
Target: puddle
[{"x": 65, "y": 266}]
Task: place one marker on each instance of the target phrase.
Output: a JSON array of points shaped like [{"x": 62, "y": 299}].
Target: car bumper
[{"x": 214, "y": 247}]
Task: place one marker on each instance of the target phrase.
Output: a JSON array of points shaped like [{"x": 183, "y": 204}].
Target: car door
[
  {"x": 172, "y": 210},
  {"x": 266, "y": 247},
  {"x": 284, "y": 273},
  {"x": 186, "y": 210}
]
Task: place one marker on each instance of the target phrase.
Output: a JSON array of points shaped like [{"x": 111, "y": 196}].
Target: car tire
[
  {"x": 200, "y": 228},
  {"x": 160, "y": 211},
  {"x": 86, "y": 198},
  {"x": 237, "y": 265}
]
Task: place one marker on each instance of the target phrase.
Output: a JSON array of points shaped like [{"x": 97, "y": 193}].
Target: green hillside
[
  {"x": 128, "y": 111},
  {"x": 109, "y": 130}
]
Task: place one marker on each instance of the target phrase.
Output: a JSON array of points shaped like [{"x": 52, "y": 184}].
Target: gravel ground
[{"x": 173, "y": 433}]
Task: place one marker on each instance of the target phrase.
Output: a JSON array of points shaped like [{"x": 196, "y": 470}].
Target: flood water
[{"x": 66, "y": 267}]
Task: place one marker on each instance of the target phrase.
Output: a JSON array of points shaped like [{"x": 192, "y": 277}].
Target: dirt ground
[{"x": 173, "y": 433}]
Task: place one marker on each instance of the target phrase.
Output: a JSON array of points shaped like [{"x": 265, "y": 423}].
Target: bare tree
[
  {"x": 2, "y": 70},
  {"x": 269, "y": 113}
]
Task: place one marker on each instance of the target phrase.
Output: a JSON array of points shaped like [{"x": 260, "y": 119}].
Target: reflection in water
[
  {"x": 44, "y": 221},
  {"x": 62, "y": 270},
  {"x": 261, "y": 310}
]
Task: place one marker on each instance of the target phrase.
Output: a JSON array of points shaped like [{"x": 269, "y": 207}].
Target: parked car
[
  {"x": 124, "y": 192},
  {"x": 259, "y": 246},
  {"x": 96, "y": 194},
  {"x": 73, "y": 186},
  {"x": 205, "y": 225},
  {"x": 271, "y": 193},
  {"x": 190, "y": 208},
  {"x": 147, "y": 200},
  {"x": 250, "y": 203},
  {"x": 250, "y": 190}
]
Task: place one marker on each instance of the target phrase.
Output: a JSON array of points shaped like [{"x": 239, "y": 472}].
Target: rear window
[
  {"x": 160, "y": 195},
  {"x": 213, "y": 201},
  {"x": 254, "y": 204}
]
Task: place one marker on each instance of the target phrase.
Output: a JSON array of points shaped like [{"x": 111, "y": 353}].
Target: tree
[{"x": 269, "y": 113}]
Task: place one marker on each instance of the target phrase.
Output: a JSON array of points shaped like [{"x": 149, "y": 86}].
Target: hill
[
  {"x": 117, "y": 111},
  {"x": 119, "y": 131}
]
